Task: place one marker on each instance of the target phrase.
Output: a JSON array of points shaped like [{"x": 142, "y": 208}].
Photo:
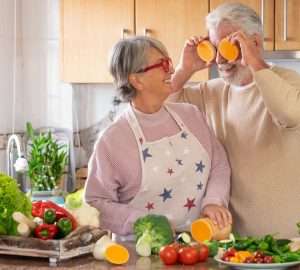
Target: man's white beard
[{"x": 242, "y": 75}]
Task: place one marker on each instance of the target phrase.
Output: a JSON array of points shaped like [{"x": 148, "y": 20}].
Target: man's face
[{"x": 234, "y": 72}]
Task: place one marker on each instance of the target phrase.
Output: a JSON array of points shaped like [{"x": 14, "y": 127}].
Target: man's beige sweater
[{"x": 259, "y": 127}]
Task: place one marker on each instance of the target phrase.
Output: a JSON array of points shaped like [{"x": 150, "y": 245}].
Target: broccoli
[{"x": 152, "y": 232}]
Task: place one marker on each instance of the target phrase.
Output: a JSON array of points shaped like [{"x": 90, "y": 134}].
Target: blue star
[
  {"x": 179, "y": 161},
  {"x": 200, "y": 166},
  {"x": 184, "y": 135},
  {"x": 146, "y": 154},
  {"x": 199, "y": 186},
  {"x": 166, "y": 194}
]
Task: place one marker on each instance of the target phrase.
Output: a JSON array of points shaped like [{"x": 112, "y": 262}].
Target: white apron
[{"x": 175, "y": 170}]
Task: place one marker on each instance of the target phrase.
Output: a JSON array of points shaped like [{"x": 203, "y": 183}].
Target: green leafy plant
[{"x": 47, "y": 160}]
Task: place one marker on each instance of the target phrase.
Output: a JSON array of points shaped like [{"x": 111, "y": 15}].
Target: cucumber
[{"x": 184, "y": 238}]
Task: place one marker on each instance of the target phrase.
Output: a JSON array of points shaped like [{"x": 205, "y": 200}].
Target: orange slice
[
  {"x": 201, "y": 229},
  {"x": 228, "y": 50},
  {"x": 116, "y": 254},
  {"x": 206, "y": 51}
]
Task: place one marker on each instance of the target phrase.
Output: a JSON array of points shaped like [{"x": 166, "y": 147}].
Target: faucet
[{"x": 16, "y": 166}]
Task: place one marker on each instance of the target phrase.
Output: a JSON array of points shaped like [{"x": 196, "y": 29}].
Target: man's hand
[
  {"x": 189, "y": 63},
  {"x": 251, "y": 50},
  {"x": 189, "y": 59},
  {"x": 218, "y": 214}
]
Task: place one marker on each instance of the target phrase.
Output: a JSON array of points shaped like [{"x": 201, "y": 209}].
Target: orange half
[
  {"x": 116, "y": 254},
  {"x": 206, "y": 51},
  {"x": 228, "y": 50},
  {"x": 201, "y": 230}
]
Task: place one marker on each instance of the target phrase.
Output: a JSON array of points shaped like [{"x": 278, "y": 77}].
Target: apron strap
[
  {"x": 135, "y": 126},
  {"x": 176, "y": 117}
]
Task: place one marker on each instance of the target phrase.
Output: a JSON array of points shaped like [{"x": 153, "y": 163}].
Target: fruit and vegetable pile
[
  {"x": 53, "y": 221},
  {"x": 41, "y": 219},
  {"x": 266, "y": 249}
]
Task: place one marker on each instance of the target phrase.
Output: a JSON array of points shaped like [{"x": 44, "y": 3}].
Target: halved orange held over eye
[
  {"x": 228, "y": 50},
  {"x": 116, "y": 254},
  {"x": 206, "y": 51}
]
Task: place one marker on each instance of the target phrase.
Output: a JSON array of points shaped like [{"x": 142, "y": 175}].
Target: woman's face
[{"x": 156, "y": 76}]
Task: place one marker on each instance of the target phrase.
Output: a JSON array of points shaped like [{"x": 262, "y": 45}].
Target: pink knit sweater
[{"x": 114, "y": 174}]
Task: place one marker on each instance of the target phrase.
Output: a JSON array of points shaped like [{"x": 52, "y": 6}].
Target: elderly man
[{"x": 254, "y": 109}]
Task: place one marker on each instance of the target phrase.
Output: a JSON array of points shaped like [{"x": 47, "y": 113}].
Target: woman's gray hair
[
  {"x": 130, "y": 56},
  {"x": 235, "y": 14}
]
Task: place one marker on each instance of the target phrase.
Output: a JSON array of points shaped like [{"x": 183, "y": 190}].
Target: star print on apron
[{"x": 175, "y": 170}]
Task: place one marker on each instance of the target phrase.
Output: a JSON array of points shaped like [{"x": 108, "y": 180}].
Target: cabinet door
[
  {"x": 287, "y": 26},
  {"x": 265, "y": 9},
  {"x": 88, "y": 31},
  {"x": 172, "y": 22}
]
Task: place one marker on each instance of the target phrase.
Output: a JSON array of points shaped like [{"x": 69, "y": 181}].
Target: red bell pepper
[
  {"x": 39, "y": 208},
  {"x": 45, "y": 231}
]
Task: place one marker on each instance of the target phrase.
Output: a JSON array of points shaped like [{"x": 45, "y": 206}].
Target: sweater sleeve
[
  {"x": 280, "y": 89},
  {"x": 101, "y": 191}
]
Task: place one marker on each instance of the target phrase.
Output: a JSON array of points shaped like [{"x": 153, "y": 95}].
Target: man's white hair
[{"x": 235, "y": 14}]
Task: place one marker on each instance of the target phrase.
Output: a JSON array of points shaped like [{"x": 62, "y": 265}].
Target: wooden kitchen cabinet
[
  {"x": 281, "y": 21},
  {"x": 265, "y": 9},
  {"x": 172, "y": 22},
  {"x": 287, "y": 25},
  {"x": 90, "y": 28}
]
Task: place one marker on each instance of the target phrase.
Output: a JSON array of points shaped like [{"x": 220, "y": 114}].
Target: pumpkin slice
[
  {"x": 228, "y": 50},
  {"x": 206, "y": 51},
  {"x": 116, "y": 254},
  {"x": 201, "y": 229}
]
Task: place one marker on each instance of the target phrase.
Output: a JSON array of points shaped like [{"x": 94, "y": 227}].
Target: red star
[
  {"x": 170, "y": 171},
  {"x": 190, "y": 203},
  {"x": 149, "y": 206}
]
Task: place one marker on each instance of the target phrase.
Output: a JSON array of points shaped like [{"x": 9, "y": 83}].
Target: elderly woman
[{"x": 156, "y": 157}]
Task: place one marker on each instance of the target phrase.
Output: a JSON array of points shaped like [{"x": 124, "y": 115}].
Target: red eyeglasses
[{"x": 165, "y": 63}]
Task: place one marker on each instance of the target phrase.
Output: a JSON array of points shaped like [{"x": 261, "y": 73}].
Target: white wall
[{"x": 40, "y": 97}]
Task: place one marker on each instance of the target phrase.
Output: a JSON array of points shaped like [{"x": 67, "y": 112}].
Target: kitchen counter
[{"x": 88, "y": 262}]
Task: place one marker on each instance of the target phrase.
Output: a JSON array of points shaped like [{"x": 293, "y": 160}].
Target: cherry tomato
[
  {"x": 230, "y": 252},
  {"x": 188, "y": 255},
  {"x": 203, "y": 253},
  {"x": 168, "y": 254}
]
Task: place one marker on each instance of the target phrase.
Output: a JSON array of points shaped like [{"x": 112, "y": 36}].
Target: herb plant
[{"x": 47, "y": 160}]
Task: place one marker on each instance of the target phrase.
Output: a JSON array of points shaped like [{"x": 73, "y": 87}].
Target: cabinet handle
[
  {"x": 262, "y": 8},
  {"x": 147, "y": 32},
  {"x": 285, "y": 18},
  {"x": 262, "y": 16},
  {"x": 124, "y": 33}
]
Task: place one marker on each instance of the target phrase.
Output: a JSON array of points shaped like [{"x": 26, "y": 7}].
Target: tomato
[
  {"x": 188, "y": 255},
  {"x": 203, "y": 253},
  {"x": 168, "y": 254},
  {"x": 176, "y": 245}
]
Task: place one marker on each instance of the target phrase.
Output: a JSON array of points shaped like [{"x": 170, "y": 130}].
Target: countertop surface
[{"x": 9, "y": 262}]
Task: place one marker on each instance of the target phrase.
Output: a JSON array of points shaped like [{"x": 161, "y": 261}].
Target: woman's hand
[
  {"x": 188, "y": 64},
  {"x": 219, "y": 215},
  {"x": 189, "y": 59}
]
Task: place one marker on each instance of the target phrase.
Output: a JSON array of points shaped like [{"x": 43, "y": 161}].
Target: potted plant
[{"x": 47, "y": 160}]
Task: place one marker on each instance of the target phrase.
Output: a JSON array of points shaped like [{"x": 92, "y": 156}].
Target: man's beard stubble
[{"x": 241, "y": 76}]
